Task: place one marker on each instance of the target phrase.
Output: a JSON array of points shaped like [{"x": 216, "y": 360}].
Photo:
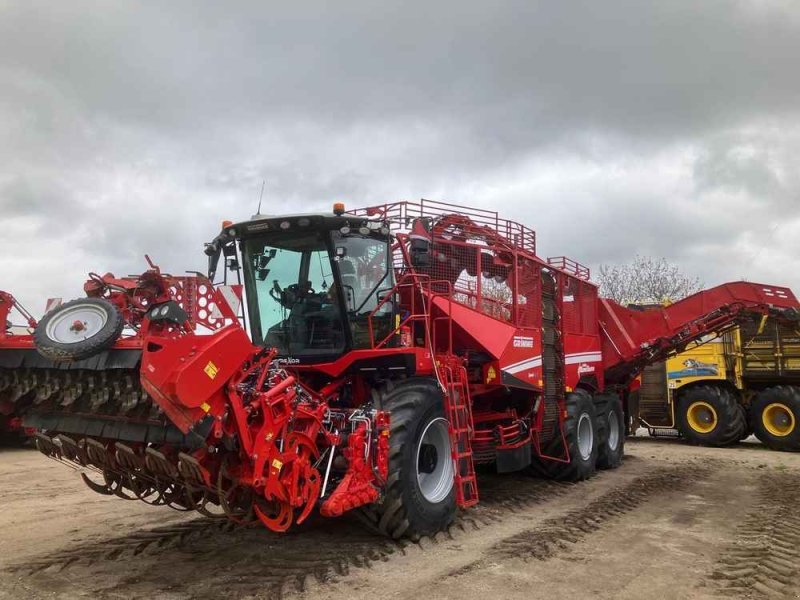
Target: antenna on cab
[{"x": 261, "y": 196}]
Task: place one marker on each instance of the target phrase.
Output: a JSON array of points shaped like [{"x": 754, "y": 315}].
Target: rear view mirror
[
  {"x": 420, "y": 253},
  {"x": 420, "y": 243}
]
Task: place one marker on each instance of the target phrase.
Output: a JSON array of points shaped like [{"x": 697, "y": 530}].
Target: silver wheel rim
[
  {"x": 64, "y": 329},
  {"x": 613, "y": 431},
  {"x": 585, "y": 436},
  {"x": 435, "y": 484}
]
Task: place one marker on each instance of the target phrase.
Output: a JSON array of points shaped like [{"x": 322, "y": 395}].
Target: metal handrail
[{"x": 399, "y": 215}]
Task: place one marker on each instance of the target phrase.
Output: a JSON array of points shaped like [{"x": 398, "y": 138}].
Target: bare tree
[
  {"x": 646, "y": 280},
  {"x": 496, "y": 299}
]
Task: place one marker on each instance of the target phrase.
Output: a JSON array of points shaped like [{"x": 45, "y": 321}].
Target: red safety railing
[
  {"x": 418, "y": 293},
  {"x": 570, "y": 266},
  {"x": 401, "y": 214}
]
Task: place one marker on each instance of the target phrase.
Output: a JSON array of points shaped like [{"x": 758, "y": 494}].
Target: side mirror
[
  {"x": 219, "y": 246},
  {"x": 420, "y": 243},
  {"x": 213, "y": 252},
  {"x": 420, "y": 253}
]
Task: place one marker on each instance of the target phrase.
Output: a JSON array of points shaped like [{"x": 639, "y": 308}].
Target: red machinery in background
[
  {"x": 84, "y": 355},
  {"x": 390, "y": 349}
]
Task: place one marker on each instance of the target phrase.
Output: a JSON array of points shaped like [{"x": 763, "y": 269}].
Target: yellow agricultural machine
[{"x": 745, "y": 382}]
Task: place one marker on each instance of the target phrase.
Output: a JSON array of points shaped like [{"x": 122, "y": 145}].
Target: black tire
[
  {"x": 775, "y": 417},
  {"x": 580, "y": 411},
  {"x": 713, "y": 407},
  {"x": 611, "y": 421},
  {"x": 747, "y": 431},
  {"x": 100, "y": 340},
  {"x": 404, "y": 512}
]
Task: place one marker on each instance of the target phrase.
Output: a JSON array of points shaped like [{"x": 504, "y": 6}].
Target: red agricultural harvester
[{"x": 390, "y": 351}]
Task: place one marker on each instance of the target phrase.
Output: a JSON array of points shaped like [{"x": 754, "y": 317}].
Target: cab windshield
[
  {"x": 294, "y": 308},
  {"x": 299, "y": 286}
]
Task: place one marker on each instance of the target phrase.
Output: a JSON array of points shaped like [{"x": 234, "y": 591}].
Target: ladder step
[{"x": 459, "y": 411}]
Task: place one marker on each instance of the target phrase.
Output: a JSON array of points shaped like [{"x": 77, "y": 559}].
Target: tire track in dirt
[
  {"x": 239, "y": 561},
  {"x": 764, "y": 558},
  {"x": 558, "y": 533}
]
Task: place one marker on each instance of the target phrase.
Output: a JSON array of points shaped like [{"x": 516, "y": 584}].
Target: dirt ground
[{"x": 673, "y": 522}]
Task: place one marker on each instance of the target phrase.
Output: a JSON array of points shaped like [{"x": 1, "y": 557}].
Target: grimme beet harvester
[{"x": 390, "y": 350}]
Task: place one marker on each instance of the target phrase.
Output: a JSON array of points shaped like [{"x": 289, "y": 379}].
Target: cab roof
[{"x": 259, "y": 224}]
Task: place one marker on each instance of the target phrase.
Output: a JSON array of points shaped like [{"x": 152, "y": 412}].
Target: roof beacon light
[{"x": 338, "y": 208}]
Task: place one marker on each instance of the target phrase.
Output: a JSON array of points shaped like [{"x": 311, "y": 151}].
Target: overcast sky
[{"x": 667, "y": 128}]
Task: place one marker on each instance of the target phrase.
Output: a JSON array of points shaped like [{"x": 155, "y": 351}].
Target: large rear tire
[
  {"x": 582, "y": 435},
  {"x": 710, "y": 415},
  {"x": 612, "y": 419},
  {"x": 78, "y": 329},
  {"x": 419, "y": 498},
  {"x": 775, "y": 417}
]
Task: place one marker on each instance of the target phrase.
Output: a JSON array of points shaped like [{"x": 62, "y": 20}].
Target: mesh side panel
[
  {"x": 579, "y": 314},
  {"x": 480, "y": 277}
]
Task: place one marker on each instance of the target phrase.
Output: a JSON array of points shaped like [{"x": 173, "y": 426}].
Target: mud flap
[{"x": 513, "y": 459}]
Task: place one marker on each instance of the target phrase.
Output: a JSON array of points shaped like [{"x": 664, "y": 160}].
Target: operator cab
[{"x": 313, "y": 282}]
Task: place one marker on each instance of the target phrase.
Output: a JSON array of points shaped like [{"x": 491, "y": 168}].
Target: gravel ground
[{"x": 673, "y": 522}]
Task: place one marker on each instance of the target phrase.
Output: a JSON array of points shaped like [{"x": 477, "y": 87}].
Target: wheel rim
[
  {"x": 613, "y": 431},
  {"x": 702, "y": 417},
  {"x": 778, "y": 419},
  {"x": 76, "y": 323},
  {"x": 585, "y": 436},
  {"x": 434, "y": 463}
]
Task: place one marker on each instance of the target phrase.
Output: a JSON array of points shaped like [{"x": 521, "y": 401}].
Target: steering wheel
[
  {"x": 276, "y": 291},
  {"x": 291, "y": 294}
]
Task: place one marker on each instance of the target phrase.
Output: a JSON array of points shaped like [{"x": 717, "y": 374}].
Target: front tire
[
  {"x": 710, "y": 415},
  {"x": 775, "y": 417},
  {"x": 419, "y": 498}
]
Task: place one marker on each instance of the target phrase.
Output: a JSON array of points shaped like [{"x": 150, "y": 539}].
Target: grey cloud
[
  {"x": 666, "y": 128},
  {"x": 627, "y": 65}
]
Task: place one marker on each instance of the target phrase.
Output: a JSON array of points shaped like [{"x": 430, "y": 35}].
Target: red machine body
[{"x": 388, "y": 307}]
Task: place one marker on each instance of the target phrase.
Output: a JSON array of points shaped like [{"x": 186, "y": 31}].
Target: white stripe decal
[
  {"x": 536, "y": 361},
  {"x": 527, "y": 360},
  {"x": 524, "y": 366},
  {"x": 572, "y": 359}
]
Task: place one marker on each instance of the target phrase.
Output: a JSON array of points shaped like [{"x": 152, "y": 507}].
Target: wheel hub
[
  {"x": 435, "y": 472},
  {"x": 428, "y": 457},
  {"x": 613, "y": 431},
  {"x": 76, "y": 323},
  {"x": 585, "y": 433},
  {"x": 778, "y": 419},
  {"x": 702, "y": 417}
]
